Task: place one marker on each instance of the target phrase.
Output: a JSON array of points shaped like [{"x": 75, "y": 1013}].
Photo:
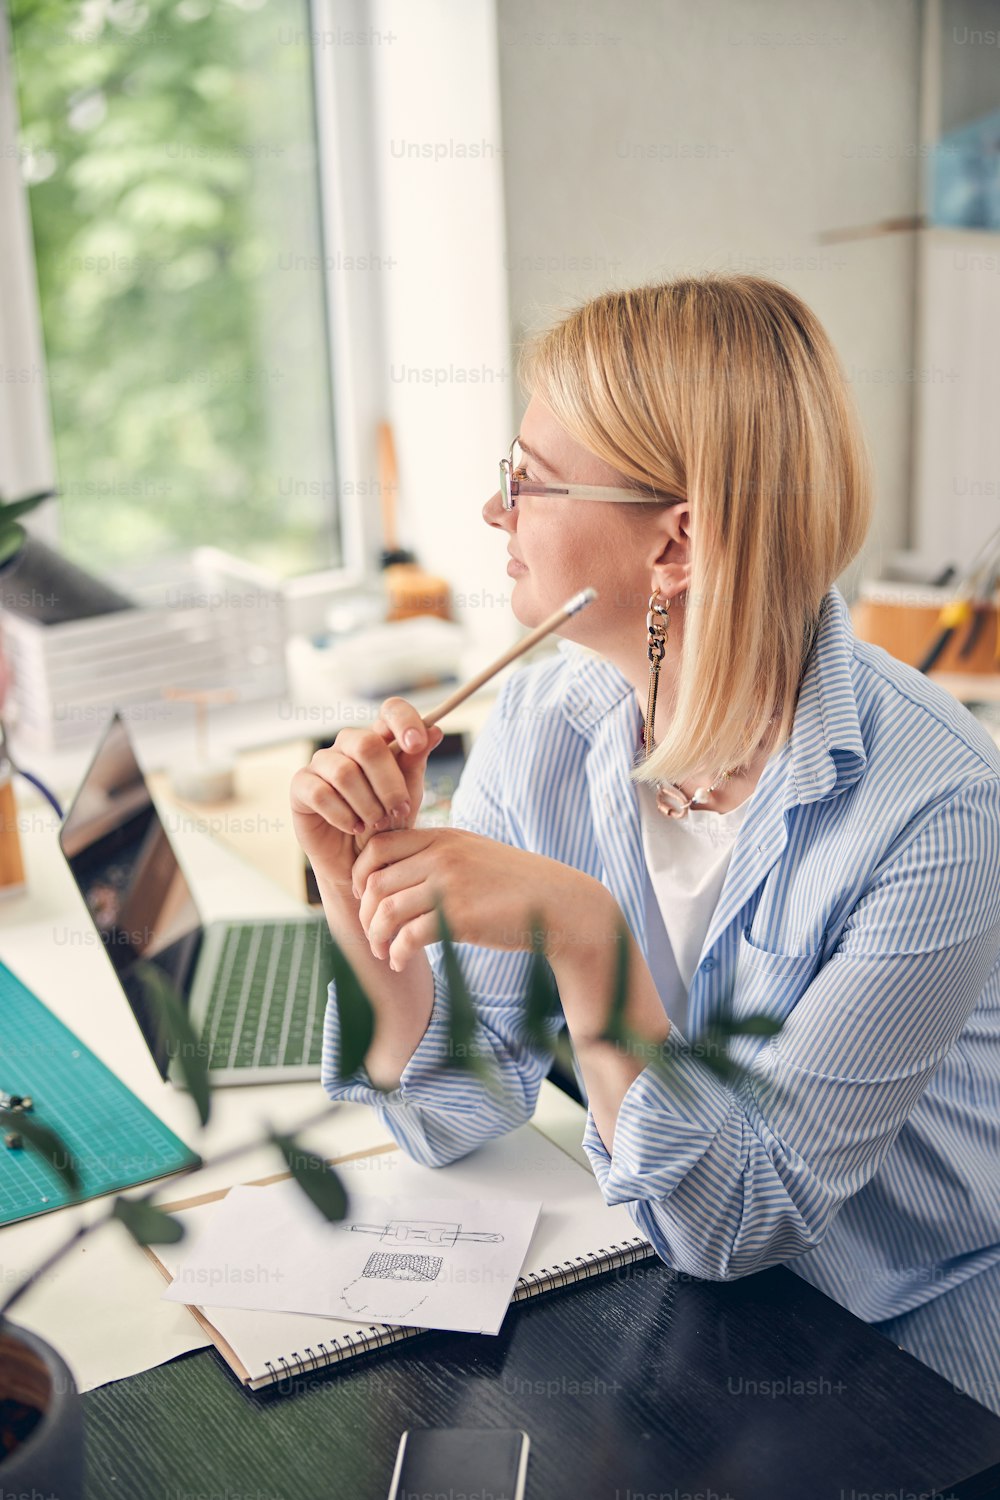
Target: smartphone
[{"x": 460, "y": 1460}]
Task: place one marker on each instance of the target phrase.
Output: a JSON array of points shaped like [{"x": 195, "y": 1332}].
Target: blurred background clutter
[{"x": 264, "y": 265}]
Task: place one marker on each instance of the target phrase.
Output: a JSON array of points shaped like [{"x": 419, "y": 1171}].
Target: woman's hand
[
  {"x": 488, "y": 890},
  {"x": 357, "y": 784}
]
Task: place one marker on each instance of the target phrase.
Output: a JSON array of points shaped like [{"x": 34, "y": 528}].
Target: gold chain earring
[
  {"x": 657, "y": 628},
  {"x": 670, "y": 800}
]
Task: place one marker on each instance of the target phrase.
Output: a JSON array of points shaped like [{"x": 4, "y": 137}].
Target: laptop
[{"x": 255, "y": 991}]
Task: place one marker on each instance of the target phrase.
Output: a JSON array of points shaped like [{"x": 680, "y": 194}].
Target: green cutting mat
[{"x": 116, "y": 1140}]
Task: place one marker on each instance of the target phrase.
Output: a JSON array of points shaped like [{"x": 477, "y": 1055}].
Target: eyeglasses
[{"x": 513, "y": 482}]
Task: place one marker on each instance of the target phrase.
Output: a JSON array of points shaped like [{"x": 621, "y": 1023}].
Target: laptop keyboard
[{"x": 269, "y": 996}]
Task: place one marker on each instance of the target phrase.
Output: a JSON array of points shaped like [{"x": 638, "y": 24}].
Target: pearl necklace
[{"x": 671, "y": 801}]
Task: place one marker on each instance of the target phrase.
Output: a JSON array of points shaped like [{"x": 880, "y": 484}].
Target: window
[{"x": 169, "y": 149}]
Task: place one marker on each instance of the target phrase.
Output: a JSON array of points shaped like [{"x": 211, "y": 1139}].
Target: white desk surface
[{"x": 101, "y": 1306}]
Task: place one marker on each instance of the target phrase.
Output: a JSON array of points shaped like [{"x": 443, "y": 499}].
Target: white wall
[
  {"x": 957, "y": 446},
  {"x": 657, "y": 137},
  {"x": 447, "y": 367}
]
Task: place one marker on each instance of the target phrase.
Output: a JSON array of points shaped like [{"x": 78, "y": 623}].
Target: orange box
[{"x": 904, "y": 619}]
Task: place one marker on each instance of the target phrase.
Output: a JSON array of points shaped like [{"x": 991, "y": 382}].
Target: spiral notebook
[{"x": 577, "y": 1236}]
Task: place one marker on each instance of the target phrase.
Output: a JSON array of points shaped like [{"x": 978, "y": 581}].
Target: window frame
[
  {"x": 27, "y": 453},
  {"x": 343, "y": 113},
  {"x": 344, "y": 109}
]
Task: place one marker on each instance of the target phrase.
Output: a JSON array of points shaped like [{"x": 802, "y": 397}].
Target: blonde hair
[{"x": 725, "y": 391}]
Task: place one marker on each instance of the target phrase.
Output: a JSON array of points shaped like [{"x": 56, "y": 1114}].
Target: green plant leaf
[
  {"x": 721, "y": 1064},
  {"x": 147, "y": 1224},
  {"x": 176, "y": 1030},
  {"x": 11, "y": 509},
  {"x": 541, "y": 1001},
  {"x": 48, "y": 1144},
  {"x": 354, "y": 1009},
  {"x": 757, "y": 1024},
  {"x": 317, "y": 1180},
  {"x": 615, "y": 1029},
  {"x": 463, "y": 1025},
  {"x": 711, "y": 1047},
  {"x": 564, "y": 1052},
  {"x": 11, "y": 536}
]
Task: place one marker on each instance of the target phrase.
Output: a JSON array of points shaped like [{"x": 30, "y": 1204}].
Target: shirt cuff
[
  {"x": 426, "y": 1061},
  {"x": 667, "y": 1120}
]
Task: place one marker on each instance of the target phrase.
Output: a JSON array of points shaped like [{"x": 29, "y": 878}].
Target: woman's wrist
[
  {"x": 343, "y": 913},
  {"x": 584, "y": 956},
  {"x": 582, "y": 937},
  {"x": 337, "y": 887}
]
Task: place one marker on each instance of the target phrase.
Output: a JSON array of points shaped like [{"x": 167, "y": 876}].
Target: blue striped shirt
[{"x": 861, "y": 906}]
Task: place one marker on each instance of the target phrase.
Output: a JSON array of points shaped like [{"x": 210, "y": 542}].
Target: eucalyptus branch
[
  {"x": 8, "y": 1119},
  {"x": 540, "y": 1019}
]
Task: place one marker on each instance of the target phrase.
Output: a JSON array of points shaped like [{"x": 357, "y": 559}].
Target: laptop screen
[{"x": 129, "y": 877}]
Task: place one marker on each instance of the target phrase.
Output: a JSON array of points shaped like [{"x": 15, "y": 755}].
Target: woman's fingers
[
  {"x": 312, "y": 793},
  {"x": 386, "y": 768},
  {"x": 414, "y": 935},
  {"x": 381, "y": 782},
  {"x": 383, "y": 854},
  {"x": 371, "y": 772},
  {"x": 401, "y": 719},
  {"x": 347, "y": 778},
  {"x": 404, "y": 722},
  {"x": 371, "y": 782},
  {"x": 393, "y": 911}
]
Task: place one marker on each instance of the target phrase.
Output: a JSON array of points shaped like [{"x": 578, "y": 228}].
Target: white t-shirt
[{"x": 686, "y": 863}]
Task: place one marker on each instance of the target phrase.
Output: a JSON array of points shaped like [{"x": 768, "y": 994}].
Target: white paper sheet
[{"x": 422, "y": 1262}]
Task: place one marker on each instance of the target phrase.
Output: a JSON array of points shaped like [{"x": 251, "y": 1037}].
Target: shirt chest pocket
[{"x": 768, "y": 982}]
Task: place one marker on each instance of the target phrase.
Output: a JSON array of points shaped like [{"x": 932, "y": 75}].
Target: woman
[{"x": 839, "y": 867}]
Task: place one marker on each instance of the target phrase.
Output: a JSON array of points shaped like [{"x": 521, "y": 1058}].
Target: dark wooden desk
[{"x": 635, "y": 1385}]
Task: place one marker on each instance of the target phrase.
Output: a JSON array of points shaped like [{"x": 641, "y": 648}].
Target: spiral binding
[{"x": 564, "y": 1273}]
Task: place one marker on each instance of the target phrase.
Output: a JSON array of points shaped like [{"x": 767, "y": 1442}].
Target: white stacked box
[{"x": 206, "y": 622}]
